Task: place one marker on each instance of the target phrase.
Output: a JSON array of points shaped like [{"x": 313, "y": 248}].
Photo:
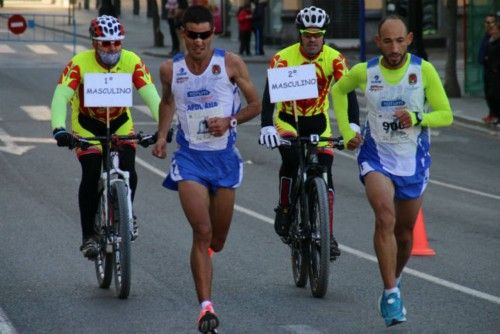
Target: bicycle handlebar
[
  {"x": 313, "y": 139},
  {"x": 142, "y": 139}
]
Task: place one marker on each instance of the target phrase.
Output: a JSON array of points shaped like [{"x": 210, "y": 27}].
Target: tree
[
  {"x": 415, "y": 15},
  {"x": 155, "y": 14},
  {"x": 451, "y": 85},
  {"x": 118, "y": 7},
  {"x": 137, "y": 7}
]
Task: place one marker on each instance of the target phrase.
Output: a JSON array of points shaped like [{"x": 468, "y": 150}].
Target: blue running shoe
[{"x": 391, "y": 309}]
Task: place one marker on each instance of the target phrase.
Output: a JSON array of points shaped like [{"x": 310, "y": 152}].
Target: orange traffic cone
[{"x": 420, "y": 243}]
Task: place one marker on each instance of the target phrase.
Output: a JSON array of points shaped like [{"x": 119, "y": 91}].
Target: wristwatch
[
  {"x": 233, "y": 122},
  {"x": 419, "y": 116}
]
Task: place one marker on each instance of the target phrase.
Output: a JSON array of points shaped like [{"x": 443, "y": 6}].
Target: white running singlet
[{"x": 199, "y": 97}]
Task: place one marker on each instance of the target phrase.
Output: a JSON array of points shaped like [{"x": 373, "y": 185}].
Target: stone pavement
[{"x": 139, "y": 38}]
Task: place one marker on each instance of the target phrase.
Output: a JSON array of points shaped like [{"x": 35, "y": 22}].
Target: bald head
[{"x": 391, "y": 21}]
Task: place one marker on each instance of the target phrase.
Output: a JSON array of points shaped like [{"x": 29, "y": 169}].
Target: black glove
[
  {"x": 63, "y": 138},
  {"x": 147, "y": 140}
]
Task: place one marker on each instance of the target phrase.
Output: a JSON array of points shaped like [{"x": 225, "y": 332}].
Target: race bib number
[
  {"x": 198, "y": 125},
  {"x": 387, "y": 129}
]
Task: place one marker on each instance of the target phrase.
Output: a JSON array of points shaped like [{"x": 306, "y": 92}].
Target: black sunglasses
[{"x": 195, "y": 35}]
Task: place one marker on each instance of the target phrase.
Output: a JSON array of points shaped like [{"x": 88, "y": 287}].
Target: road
[{"x": 47, "y": 287}]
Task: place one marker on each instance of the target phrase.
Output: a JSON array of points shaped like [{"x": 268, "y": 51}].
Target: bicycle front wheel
[
  {"x": 319, "y": 245},
  {"x": 104, "y": 260},
  {"x": 299, "y": 248},
  {"x": 121, "y": 245}
]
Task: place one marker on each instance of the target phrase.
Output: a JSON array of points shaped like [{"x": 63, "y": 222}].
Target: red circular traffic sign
[{"x": 17, "y": 24}]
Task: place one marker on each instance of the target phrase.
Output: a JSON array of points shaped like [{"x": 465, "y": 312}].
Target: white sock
[
  {"x": 387, "y": 292},
  {"x": 205, "y": 303}
]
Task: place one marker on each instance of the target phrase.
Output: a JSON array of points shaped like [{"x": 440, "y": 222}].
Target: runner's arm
[
  {"x": 340, "y": 90},
  {"x": 167, "y": 102},
  {"x": 238, "y": 72},
  {"x": 441, "y": 114},
  {"x": 150, "y": 96},
  {"x": 62, "y": 96}
]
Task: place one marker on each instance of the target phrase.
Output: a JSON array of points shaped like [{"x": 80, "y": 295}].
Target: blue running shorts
[
  {"x": 405, "y": 187},
  {"x": 213, "y": 169}
]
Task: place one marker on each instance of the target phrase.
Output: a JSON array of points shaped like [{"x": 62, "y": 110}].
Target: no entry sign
[{"x": 17, "y": 24}]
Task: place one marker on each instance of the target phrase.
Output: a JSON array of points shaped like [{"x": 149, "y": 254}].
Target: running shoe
[
  {"x": 391, "y": 309},
  {"x": 90, "y": 248},
  {"x": 208, "y": 321},
  {"x": 334, "y": 249}
]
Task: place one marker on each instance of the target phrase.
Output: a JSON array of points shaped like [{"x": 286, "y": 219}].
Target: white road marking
[
  {"x": 4, "y": 48},
  {"x": 363, "y": 255},
  {"x": 79, "y": 48},
  {"x": 10, "y": 146},
  {"x": 39, "y": 113},
  {"x": 41, "y": 49},
  {"x": 5, "y": 325}
]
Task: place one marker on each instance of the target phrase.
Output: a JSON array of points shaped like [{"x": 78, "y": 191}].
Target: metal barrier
[{"x": 41, "y": 28}]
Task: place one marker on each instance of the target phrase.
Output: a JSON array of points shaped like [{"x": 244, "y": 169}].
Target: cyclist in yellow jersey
[
  {"x": 313, "y": 114},
  {"x": 106, "y": 56},
  {"x": 393, "y": 154}
]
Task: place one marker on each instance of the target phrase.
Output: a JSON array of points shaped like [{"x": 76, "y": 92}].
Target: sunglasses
[
  {"x": 489, "y": 22},
  {"x": 308, "y": 33},
  {"x": 107, "y": 44},
  {"x": 201, "y": 35}
]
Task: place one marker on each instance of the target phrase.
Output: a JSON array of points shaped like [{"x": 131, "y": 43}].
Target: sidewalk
[{"x": 139, "y": 38}]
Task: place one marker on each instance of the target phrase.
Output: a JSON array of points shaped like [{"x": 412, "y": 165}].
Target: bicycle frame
[
  {"x": 110, "y": 176},
  {"x": 309, "y": 234}
]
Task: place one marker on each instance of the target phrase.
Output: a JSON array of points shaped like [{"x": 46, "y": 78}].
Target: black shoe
[
  {"x": 334, "y": 249},
  {"x": 281, "y": 221},
  {"x": 90, "y": 248},
  {"x": 135, "y": 229}
]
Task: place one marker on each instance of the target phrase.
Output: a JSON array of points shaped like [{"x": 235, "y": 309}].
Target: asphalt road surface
[{"x": 46, "y": 286}]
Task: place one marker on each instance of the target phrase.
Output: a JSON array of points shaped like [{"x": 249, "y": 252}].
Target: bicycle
[
  {"x": 309, "y": 235},
  {"x": 114, "y": 218}
]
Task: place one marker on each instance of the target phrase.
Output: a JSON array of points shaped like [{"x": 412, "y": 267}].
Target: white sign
[
  {"x": 108, "y": 90},
  {"x": 292, "y": 83}
]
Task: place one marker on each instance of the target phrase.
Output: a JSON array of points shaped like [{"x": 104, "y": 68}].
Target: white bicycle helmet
[
  {"x": 106, "y": 28},
  {"x": 312, "y": 17}
]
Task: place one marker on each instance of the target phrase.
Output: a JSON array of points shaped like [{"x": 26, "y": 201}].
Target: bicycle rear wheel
[
  {"x": 104, "y": 260},
  {"x": 299, "y": 247},
  {"x": 319, "y": 245},
  {"x": 121, "y": 245}
]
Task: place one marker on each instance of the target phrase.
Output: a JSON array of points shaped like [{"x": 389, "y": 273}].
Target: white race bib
[
  {"x": 385, "y": 128},
  {"x": 197, "y": 122}
]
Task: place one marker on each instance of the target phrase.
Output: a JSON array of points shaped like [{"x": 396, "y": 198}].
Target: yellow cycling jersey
[
  {"x": 330, "y": 65},
  {"x": 85, "y": 62}
]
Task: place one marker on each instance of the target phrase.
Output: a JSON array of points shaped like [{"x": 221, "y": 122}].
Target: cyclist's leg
[
  {"x": 325, "y": 158},
  {"x": 287, "y": 173},
  {"x": 88, "y": 201},
  {"x": 127, "y": 163},
  {"x": 127, "y": 151},
  {"x": 285, "y": 124}
]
